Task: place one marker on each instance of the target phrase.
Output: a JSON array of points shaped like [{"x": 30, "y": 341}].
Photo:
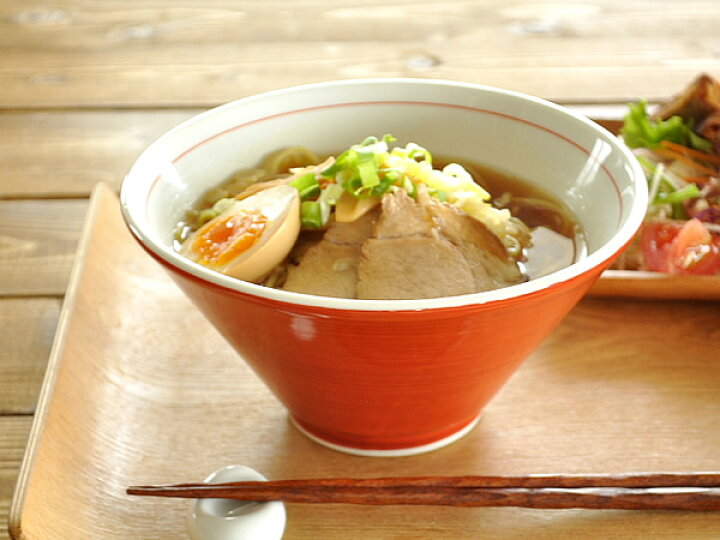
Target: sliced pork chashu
[
  {"x": 406, "y": 249},
  {"x": 429, "y": 249},
  {"x": 330, "y": 267},
  {"x": 489, "y": 261},
  {"x": 408, "y": 257}
]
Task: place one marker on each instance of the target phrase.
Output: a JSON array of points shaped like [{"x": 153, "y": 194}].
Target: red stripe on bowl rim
[
  {"x": 309, "y": 301},
  {"x": 507, "y": 116}
]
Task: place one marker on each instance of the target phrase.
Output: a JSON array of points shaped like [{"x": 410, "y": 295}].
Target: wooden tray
[
  {"x": 140, "y": 389},
  {"x": 636, "y": 284}
]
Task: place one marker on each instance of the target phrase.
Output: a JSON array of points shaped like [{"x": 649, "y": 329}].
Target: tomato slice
[
  {"x": 680, "y": 247},
  {"x": 656, "y": 238}
]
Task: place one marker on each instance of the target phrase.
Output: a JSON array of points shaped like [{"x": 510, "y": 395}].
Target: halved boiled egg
[{"x": 251, "y": 237}]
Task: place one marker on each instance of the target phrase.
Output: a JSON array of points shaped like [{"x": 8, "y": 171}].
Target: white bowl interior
[{"x": 569, "y": 156}]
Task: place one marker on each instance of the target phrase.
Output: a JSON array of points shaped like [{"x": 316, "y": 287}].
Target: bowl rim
[{"x": 598, "y": 259}]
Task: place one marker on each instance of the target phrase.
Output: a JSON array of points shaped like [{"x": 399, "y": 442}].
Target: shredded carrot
[
  {"x": 710, "y": 158},
  {"x": 672, "y": 154}
]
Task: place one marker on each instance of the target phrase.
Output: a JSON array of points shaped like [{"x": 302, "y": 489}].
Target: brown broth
[
  {"x": 557, "y": 238},
  {"x": 498, "y": 183}
]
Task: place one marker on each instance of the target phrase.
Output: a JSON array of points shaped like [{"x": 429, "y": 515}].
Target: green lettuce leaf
[{"x": 640, "y": 131}]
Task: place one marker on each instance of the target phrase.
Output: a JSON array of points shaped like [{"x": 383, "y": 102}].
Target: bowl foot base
[{"x": 390, "y": 452}]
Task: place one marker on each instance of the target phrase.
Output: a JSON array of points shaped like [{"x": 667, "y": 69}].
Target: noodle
[{"x": 286, "y": 159}]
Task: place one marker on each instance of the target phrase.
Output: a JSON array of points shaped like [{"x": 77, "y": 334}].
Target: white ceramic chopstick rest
[{"x": 227, "y": 519}]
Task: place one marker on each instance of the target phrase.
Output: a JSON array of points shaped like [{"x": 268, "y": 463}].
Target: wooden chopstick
[{"x": 667, "y": 491}]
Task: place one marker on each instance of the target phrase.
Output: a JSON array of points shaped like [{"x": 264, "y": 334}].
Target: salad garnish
[{"x": 678, "y": 148}]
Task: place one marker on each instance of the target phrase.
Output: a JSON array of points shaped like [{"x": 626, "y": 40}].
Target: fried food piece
[{"x": 698, "y": 101}]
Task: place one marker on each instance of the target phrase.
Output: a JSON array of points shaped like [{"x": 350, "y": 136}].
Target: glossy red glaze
[{"x": 383, "y": 380}]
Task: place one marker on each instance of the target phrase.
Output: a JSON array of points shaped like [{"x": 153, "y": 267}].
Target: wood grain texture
[
  {"x": 163, "y": 53},
  {"x": 27, "y": 329},
  {"x": 85, "y": 85},
  {"x": 65, "y": 153},
  {"x": 638, "y": 284},
  {"x": 599, "y": 492},
  {"x": 604, "y": 394},
  {"x": 605, "y": 498},
  {"x": 14, "y": 432},
  {"x": 37, "y": 245}
]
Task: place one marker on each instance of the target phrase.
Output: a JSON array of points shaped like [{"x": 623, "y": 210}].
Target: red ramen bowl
[{"x": 389, "y": 377}]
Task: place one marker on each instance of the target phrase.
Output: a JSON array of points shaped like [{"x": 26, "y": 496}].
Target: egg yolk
[{"x": 224, "y": 238}]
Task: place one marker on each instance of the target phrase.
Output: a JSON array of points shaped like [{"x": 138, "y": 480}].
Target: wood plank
[
  {"x": 14, "y": 432},
  {"x": 65, "y": 153},
  {"x": 168, "y": 53},
  {"x": 597, "y": 383},
  {"x": 37, "y": 245},
  {"x": 27, "y": 329}
]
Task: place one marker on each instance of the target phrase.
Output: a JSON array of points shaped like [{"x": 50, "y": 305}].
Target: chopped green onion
[
  {"x": 361, "y": 192},
  {"x": 354, "y": 186},
  {"x": 418, "y": 153},
  {"x": 307, "y": 185},
  {"x": 391, "y": 175},
  {"x": 331, "y": 194},
  {"x": 325, "y": 210},
  {"x": 368, "y": 172},
  {"x": 369, "y": 140},
  {"x": 311, "y": 215},
  {"x": 331, "y": 171},
  {"x": 371, "y": 169},
  {"x": 386, "y": 182},
  {"x": 439, "y": 194},
  {"x": 349, "y": 182},
  {"x": 409, "y": 186}
]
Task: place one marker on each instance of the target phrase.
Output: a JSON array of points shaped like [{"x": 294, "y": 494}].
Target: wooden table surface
[{"x": 86, "y": 85}]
